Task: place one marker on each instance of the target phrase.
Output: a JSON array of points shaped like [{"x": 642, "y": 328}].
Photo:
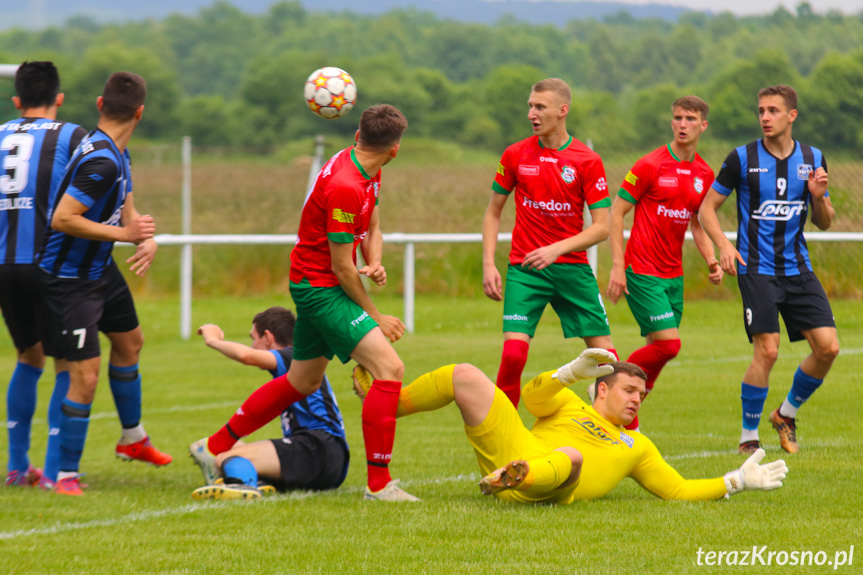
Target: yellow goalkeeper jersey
[{"x": 611, "y": 453}]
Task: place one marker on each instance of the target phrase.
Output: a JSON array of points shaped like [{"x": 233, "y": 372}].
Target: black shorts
[
  {"x": 23, "y": 307},
  {"x": 80, "y": 309},
  {"x": 800, "y": 299},
  {"x": 311, "y": 460}
]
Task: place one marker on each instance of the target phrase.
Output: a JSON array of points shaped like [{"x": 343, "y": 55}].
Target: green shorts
[
  {"x": 570, "y": 289},
  {"x": 656, "y": 303},
  {"x": 328, "y": 322}
]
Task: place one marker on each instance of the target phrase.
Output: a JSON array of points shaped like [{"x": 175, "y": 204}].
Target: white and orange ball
[{"x": 330, "y": 92}]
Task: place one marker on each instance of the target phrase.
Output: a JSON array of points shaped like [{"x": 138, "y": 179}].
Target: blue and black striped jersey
[
  {"x": 319, "y": 411},
  {"x": 98, "y": 176},
  {"x": 772, "y": 205},
  {"x": 33, "y": 155}
]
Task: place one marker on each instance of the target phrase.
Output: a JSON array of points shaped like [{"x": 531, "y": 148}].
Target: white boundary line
[{"x": 205, "y": 506}]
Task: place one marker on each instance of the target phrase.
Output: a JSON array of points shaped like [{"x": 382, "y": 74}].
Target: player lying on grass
[
  {"x": 313, "y": 454},
  {"x": 574, "y": 451}
]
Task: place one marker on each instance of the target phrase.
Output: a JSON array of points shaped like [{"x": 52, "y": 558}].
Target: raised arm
[{"x": 214, "y": 337}]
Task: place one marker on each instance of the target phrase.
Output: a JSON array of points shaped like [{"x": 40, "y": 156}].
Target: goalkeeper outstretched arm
[{"x": 658, "y": 477}]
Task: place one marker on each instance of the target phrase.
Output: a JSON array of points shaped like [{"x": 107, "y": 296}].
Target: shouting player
[
  {"x": 552, "y": 176},
  {"x": 778, "y": 180},
  {"x": 665, "y": 188}
]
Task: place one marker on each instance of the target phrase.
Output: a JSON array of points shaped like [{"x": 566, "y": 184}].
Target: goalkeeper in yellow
[{"x": 574, "y": 451}]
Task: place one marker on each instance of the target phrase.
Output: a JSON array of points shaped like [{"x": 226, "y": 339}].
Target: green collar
[
  {"x": 560, "y": 149},
  {"x": 358, "y": 165}
]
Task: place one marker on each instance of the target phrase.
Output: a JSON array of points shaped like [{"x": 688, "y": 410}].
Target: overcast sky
[{"x": 746, "y": 7}]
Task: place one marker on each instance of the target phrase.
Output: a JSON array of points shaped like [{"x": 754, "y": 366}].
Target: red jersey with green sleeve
[
  {"x": 338, "y": 208},
  {"x": 551, "y": 188},
  {"x": 666, "y": 193}
]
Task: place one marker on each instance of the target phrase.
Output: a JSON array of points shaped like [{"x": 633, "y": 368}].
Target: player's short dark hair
[
  {"x": 37, "y": 84},
  {"x": 555, "y": 85},
  {"x": 620, "y": 367},
  {"x": 692, "y": 104},
  {"x": 381, "y": 127},
  {"x": 124, "y": 93},
  {"x": 279, "y": 322},
  {"x": 789, "y": 94}
]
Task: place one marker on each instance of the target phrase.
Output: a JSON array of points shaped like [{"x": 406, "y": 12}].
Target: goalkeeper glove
[
  {"x": 586, "y": 366},
  {"x": 751, "y": 475}
]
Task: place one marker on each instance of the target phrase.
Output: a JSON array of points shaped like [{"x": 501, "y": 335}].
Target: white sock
[
  {"x": 133, "y": 435},
  {"x": 787, "y": 410},
  {"x": 65, "y": 475},
  {"x": 748, "y": 435}
]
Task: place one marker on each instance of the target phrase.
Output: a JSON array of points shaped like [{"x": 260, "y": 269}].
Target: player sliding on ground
[{"x": 574, "y": 451}]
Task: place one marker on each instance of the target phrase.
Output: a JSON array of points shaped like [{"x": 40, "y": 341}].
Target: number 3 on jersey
[{"x": 17, "y": 161}]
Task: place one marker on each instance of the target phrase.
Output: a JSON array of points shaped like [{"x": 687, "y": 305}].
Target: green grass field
[{"x": 138, "y": 519}]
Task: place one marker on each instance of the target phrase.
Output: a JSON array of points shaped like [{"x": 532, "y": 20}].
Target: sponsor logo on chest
[
  {"x": 778, "y": 210},
  {"x": 595, "y": 430}
]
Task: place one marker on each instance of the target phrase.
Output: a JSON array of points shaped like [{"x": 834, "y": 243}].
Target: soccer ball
[{"x": 330, "y": 92}]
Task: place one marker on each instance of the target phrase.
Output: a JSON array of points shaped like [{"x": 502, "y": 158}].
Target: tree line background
[{"x": 228, "y": 78}]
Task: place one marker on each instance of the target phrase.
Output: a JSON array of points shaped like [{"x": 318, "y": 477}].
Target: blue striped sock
[
  {"x": 52, "y": 455},
  {"x": 20, "y": 406},
  {"x": 752, "y": 399},
  {"x": 74, "y": 421},
  {"x": 126, "y": 388}
]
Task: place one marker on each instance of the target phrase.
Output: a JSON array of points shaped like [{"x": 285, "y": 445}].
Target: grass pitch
[{"x": 139, "y": 519}]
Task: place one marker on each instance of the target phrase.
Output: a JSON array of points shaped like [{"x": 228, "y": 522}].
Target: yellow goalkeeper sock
[
  {"x": 547, "y": 472},
  {"x": 428, "y": 392}
]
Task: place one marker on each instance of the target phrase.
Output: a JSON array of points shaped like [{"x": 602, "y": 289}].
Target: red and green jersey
[
  {"x": 338, "y": 208},
  {"x": 551, "y": 188},
  {"x": 666, "y": 193}
]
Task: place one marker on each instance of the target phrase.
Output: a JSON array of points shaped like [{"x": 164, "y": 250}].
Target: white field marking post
[
  {"x": 8, "y": 70},
  {"x": 395, "y": 238},
  {"x": 186, "y": 253}
]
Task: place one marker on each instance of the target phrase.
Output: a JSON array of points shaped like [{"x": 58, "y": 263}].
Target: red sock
[
  {"x": 633, "y": 425},
  {"x": 511, "y": 367},
  {"x": 652, "y": 358},
  {"x": 614, "y": 351},
  {"x": 379, "y": 430},
  {"x": 263, "y": 406}
]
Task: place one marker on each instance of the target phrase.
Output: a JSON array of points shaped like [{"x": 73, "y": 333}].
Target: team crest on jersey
[
  {"x": 698, "y": 183},
  {"x": 627, "y": 439},
  {"x": 803, "y": 171},
  {"x": 568, "y": 174}
]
